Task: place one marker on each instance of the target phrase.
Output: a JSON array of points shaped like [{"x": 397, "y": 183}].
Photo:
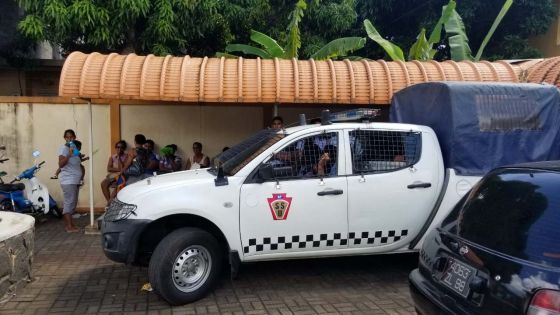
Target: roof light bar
[{"x": 360, "y": 114}]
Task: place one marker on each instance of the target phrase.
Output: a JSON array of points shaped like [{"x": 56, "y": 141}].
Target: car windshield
[
  {"x": 236, "y": 157},
  {"x": 515, "y": 212}
]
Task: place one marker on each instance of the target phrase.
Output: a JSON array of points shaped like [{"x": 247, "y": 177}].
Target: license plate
[{"x": 457, "y": 277}]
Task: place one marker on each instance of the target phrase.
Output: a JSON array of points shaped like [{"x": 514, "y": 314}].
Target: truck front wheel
[{"x": 185, "y": 265}]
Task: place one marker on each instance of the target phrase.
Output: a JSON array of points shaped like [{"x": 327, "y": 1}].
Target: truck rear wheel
[{"x": 185, "y": 265}]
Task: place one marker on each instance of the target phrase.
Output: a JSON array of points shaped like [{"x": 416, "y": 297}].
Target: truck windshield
[{"x": 235, "y": 158}]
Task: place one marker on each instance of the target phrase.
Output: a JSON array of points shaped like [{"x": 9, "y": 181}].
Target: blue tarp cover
[{"x": 481, "y": 126}]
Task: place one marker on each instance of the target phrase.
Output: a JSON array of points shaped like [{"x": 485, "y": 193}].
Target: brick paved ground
[{"x": 72, "y": 276}]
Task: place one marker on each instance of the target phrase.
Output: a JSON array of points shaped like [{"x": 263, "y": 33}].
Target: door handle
[
  {"x": 419, "y": 185},
  {"x": 330, "y": 192}
]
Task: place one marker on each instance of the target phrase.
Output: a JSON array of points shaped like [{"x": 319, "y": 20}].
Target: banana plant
[
  {"x": 339, "y": 47},
  {"x": 394, "y": 51},
  {"x": 497, "y": 21},
  {"x": 269, "y": 47},
  {"x": 458, "y": 40},
  {"x": 452, "y": 23},
  {"x": 422, "y": 49},
  {"x": 457, "y": 37}
]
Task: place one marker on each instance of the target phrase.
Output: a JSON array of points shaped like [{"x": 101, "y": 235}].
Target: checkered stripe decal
[{"x": 353, "y": 239}]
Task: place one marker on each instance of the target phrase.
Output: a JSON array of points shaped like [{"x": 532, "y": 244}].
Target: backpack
[{"x": 139, "y": 163}]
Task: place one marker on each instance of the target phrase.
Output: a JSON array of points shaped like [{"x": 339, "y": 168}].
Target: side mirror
[{"x": 265, "y": 173}]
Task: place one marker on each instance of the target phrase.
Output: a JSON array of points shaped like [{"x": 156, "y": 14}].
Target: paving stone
[{"x": 73, "y": 276}]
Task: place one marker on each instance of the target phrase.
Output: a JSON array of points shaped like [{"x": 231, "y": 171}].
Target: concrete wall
[
  {"x": 9, "y": 83},
  {"x": 37, "y": 82},
  {"x": 28, "y": 127}
]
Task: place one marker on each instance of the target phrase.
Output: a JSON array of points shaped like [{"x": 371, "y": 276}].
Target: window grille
[
  {"x": 375, "y": 151},
  {"x": 500, "y": 113},
  {"x": 314, "y": 156}
]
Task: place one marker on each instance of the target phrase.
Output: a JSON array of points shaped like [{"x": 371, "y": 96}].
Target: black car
[{"x": 498, "y": 251}]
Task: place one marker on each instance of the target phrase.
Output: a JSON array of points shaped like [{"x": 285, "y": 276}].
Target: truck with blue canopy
[{"x": 346, "y": 186}]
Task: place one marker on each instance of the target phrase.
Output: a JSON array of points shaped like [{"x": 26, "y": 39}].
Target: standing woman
[{"x": 70, "y": 173}]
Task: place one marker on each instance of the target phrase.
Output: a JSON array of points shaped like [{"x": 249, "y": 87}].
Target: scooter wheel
[
  {"x": 6, "y": 205},
  {"x": 55, "y": 211}
]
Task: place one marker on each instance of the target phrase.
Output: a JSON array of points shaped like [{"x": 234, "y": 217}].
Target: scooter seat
[{"x": 12, "y": 187}]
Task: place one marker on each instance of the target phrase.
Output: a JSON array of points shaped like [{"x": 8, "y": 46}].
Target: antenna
[{"x": 326, "y": 117}]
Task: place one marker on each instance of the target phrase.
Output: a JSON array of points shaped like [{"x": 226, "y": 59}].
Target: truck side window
[
  {"x": 314, "y": 156},
  {"x": 376, "y": 151}
]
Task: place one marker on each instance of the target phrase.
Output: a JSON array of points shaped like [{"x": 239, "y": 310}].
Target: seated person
[
  {"x": 169, "y": 162},
  {"x": 308, "y": 159},
  {"x": 327, "y": 164},
  {"x": 114, "y": 167},
  {"x": 277, "y": 123},
  {"x": 153, "y": 158},
  {"x": 198, "y": 159}
]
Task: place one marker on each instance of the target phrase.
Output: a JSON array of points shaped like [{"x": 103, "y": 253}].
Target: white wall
[{"x": 27, "y": 127}]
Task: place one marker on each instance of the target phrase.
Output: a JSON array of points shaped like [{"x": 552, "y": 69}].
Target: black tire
[
  {"x": 176, "y": 257},
  {"x": 6, "y": 205},
  {"x": 55, "y": 212}
]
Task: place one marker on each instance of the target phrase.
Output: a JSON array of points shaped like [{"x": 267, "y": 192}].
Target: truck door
[
  {"x": 392, "y": 188},
  {"x": 304, "y": 208}
]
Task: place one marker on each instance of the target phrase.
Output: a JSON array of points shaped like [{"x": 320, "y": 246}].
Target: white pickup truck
[{"x": 331, "y": 189}]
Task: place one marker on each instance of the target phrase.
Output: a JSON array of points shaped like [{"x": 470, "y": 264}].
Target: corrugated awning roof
[{"x": 189, "y": 79}]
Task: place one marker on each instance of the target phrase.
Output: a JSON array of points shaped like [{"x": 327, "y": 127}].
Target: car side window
[
  {"x": 313, "y": 156},
  {"x": 375, "y": 151}
]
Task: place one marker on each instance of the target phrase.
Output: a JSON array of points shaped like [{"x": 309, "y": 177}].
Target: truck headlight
[{"x": 119, "y": 210}]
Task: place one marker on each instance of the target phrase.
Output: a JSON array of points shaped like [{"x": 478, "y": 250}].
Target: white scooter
[{"x": 31, "y": 196}]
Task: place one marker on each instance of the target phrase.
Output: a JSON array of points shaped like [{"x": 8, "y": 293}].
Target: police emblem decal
[{"x": 279, "y": 206}]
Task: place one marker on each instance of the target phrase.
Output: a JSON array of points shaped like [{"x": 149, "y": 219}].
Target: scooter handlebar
[
  {"x": 41, "y": 163},
  {"x": 4, "y": 160}
]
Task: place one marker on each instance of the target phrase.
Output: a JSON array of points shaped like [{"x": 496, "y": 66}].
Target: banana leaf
[
  {"x": 394, "y": 51},
  {"x": 268, "y": 43},
  {"x": 421, "y": 49},
  {"x": 229, "y": 56},
  {"x": 339, "y": 47},
  {"x": 458, "y": 40},
  {"x": 248, "y": 50},
  {"x": 446, "y": 12},
  {"x": 497, "y": 21},
  {"x": 294, "y": 39}
]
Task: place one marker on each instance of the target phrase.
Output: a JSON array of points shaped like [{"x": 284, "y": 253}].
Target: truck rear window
[{"x": 515, "y": 212}]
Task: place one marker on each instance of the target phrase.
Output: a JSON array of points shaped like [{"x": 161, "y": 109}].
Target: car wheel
[{"x": 185, "y": 265}]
